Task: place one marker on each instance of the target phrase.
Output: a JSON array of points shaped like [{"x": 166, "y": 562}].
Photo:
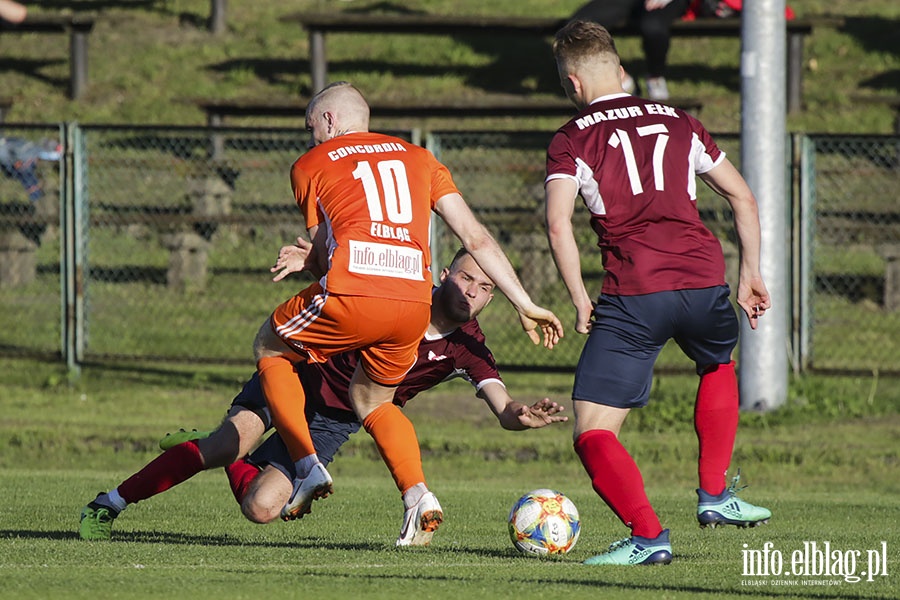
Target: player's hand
[
  {"x": 292, "y": 259},
  {"x": 583, "y": 316},
  {"x": 541, "y": 413},
  {"x": 656, "y": 4},
  {"x": 549, "y": 324},
  {"x": 753, "y": 298}
]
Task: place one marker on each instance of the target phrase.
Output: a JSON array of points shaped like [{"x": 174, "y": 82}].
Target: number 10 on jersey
[{"x": 395, "y": 200}]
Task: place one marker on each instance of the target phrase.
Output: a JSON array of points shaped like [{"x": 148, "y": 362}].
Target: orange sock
[
  {"x": 286, "y": 400},
  {"x": 396, "y": 439}
]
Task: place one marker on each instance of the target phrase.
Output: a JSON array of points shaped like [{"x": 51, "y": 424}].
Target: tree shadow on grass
[
  {"x": 168, "y": 537},
  {"x": 274, "y": 71},
  {"x": 877, "y": 34},
  {"x": 519, "y": 64},
  {"x": 32, "y": 69},
  {"x": 385, "y": 7}
]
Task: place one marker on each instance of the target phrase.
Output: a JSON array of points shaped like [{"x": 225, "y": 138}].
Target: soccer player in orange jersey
[{"x": 367, "y": 200}]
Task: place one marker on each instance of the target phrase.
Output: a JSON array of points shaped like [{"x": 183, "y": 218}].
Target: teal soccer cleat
[
  {"x": 636, "y": 550},
  {"x": 728, "y": 509}
]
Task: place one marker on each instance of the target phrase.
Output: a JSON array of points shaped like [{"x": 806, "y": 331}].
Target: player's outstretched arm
[
  {"x": 490, "y": 257},
  {"x": 516, "y": 416}
]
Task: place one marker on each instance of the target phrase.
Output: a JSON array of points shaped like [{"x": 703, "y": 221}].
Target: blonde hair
[{"x": 584, "y": 43}]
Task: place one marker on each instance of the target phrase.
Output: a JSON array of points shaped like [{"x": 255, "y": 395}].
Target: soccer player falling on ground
[
  {"x": 452, "y": 346},
  {"x": 367, "y": 200},
  {"x": 634, "y": 162}
]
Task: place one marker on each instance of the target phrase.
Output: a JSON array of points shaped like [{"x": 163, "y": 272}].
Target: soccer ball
[{"x": 544, "y": 522}]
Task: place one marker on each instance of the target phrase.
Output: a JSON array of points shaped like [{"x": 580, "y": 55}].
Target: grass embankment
[{"x": 149, "y": 59}]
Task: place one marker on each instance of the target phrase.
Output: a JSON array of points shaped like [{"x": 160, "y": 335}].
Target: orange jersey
[{"x": 374, "y": 193}]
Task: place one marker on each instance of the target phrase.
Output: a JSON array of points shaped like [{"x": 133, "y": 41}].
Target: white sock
[
  {"x": 305, "y": 465},
  {"x": 115, "y": 500},
  {"x": 412, "y": 496}
]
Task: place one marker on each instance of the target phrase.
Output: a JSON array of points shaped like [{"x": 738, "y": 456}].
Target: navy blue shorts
[
  {"x": 329, "y": 432},
  {"x": 628, "y": 332},
  {"x": 251, "y": 397},
  {"x": 329, "y": 428}
]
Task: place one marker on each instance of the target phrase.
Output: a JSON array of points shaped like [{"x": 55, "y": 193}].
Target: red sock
[
  {"x": 617, "y": 479},
  {"x": 716, "y": 421},
  {"x": 240, "y": 474},
  {"x": 167, "y": 470},
  {"x": 396, "y": 439}
]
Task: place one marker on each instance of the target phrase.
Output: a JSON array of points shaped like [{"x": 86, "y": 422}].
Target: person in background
[
  {"x": 722, "y": 9},
  {"x": 653, "y": 18},
  {"x": 634, "y": 163},
  {"x": 12, "y": 12}
]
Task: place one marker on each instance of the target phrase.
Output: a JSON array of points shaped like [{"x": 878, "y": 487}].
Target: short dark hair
[{"x": 459, "y": 254}]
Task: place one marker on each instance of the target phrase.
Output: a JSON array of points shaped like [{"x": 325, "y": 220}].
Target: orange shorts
[{"x": 387, "y": 332}]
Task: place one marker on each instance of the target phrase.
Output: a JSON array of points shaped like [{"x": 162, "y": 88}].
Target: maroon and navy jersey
[
  {"x": 461, "y": 353},
  {"x": 635, "y": 162}
]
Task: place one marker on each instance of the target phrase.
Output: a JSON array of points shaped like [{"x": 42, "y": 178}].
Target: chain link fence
[
  {"x": 852, "y": 254},
  {"x": 171, "y": 232},
  {"x": 182, "y": 226},
  {"x": 31, "y": 192}
]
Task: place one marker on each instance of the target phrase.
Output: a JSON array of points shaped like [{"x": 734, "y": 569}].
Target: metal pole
[
  {"x": 436, "y": 225},
  {"x": 317, "y": 60},
  {"x": 78, "y": 65},
  {"x": 763, "y": 352},
  {"x": 70, "y": 249},
  {"x": 217, "y": 23}
]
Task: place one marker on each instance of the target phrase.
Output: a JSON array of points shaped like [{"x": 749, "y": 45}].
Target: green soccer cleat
[
  {"x": 636, "y": 550},
  {"x": 728, "y": 509},
  {"x": 96, "y": 522},
  {"x": 181, "y": 436}
]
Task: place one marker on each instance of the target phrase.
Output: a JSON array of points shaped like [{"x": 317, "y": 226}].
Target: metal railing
[{"x": 155, "y": 242}]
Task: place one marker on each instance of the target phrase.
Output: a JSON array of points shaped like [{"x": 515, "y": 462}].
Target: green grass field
[{"x": 827, "y": 466}]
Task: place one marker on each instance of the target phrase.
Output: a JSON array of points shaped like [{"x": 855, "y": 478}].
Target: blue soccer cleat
[
  {"x": 636, "y": 550},
  {"x": 728, "y": 509}
]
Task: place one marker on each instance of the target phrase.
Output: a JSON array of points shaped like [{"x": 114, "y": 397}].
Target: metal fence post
[
  {"x": 71, "y": 246},
  {"x": 436, "y": 225},
  {"x": 803, "y": 246},
  {"x": 217, "y": 22}
]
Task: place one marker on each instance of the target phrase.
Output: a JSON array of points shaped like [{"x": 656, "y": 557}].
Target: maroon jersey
[
  {"x": 635, "y": 163},
  {"x": 462, "y": 353}
]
